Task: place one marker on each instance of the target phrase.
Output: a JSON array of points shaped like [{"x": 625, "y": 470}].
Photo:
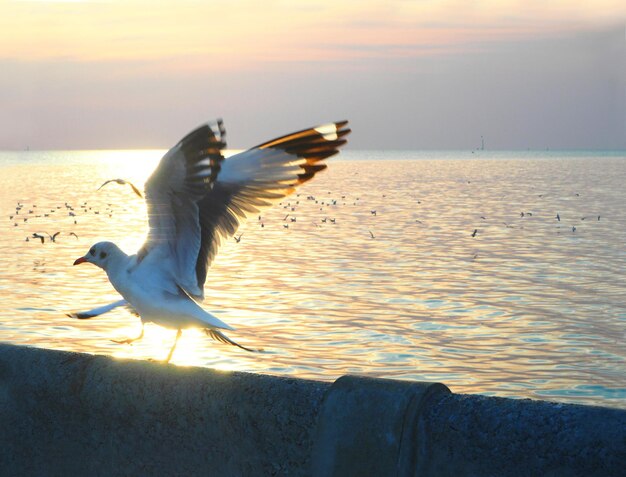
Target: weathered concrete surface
[
  {"x": 70, "y": 414},
  {"x": 466, "y": 435},
  {"x": 66, "y": 414},
  {"x": 368, "y": 427}
]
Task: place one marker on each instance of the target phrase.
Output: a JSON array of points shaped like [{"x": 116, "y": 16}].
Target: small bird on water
[{"x": 196, "y": 198}]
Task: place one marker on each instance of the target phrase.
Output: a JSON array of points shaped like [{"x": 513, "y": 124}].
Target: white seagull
[{"x": 196, "y": 199}]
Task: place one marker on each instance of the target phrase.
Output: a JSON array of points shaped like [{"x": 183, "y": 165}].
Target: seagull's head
[{"x": 100, "y": 254}]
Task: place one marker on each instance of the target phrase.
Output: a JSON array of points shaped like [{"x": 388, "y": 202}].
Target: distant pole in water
[{"x": 482, "y": 143}]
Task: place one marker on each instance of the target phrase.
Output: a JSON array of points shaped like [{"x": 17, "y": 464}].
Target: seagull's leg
[
  {"x": 131, "y": 340},
  {"x": 169, "y": 356}
]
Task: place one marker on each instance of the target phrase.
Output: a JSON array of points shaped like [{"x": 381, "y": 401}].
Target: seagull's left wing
[
  {"x": 256, "y": 178},
  {"x": 84, "y": 315},
  {"x": 183, "y": 177}
]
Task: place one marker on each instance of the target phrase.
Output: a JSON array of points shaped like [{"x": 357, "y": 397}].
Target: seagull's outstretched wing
[
  {"x": 84, "y": 315},
  {"x": 256, "y": 178},
  {"x": 183, "y": 177},
  {"x": 196, "y": 198}
]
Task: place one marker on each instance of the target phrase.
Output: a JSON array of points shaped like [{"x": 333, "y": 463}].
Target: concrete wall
[{"x": 73, "y": 414}]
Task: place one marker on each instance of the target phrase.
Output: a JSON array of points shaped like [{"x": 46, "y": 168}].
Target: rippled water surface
[{"x": 527, "y": 307}]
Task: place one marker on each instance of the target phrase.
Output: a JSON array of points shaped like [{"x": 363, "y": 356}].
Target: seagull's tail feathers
[
  {"x": 213, "y": 321},
  {"x": 198, "y": 313},
  {"x": 222, "y": 338}
]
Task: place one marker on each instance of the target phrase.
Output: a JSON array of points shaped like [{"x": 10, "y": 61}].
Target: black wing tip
[
  {"x": 206, "y": 140},
  {"x": 312, "y": 133},
  {"x": 313, "y": 144},
  {"x": 340, "y": 127},
  {"x": 215, "y": 128},
  {"x": 202, "y": 149},
  {"x": 80, "y": 316},
  {"x": 310, "y": 170}
]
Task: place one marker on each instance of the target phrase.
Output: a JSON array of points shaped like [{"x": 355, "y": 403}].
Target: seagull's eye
[
  {"x": 103, "y": 255},
  {"x": 92, "y": 251}
]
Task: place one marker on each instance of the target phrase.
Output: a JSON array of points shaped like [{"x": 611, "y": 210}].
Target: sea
[{"x": 497, "y": 273}]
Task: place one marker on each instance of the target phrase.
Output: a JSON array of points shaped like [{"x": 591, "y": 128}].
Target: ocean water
[{"x": 380, "y": 274}]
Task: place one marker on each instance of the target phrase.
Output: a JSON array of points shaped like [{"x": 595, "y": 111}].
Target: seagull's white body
[
  {"x": 154, "y": 294},
  {"x": 196, "y": 198}
]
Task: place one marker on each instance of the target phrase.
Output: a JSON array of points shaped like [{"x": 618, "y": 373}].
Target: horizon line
[{"x": 231, "y": 151}]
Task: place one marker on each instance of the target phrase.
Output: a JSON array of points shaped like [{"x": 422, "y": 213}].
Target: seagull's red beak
[{"x": 80, "y": 260}]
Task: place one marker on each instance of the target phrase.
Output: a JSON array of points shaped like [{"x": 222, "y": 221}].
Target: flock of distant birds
[
  {"x": 289, "y": 206},
  {"x": 23, "y": 213},
  {"x": 34, "y": 212},
  {"x": 84, "y": 207}
]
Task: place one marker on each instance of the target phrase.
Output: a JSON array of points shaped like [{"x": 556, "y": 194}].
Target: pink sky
[{"x": 408, "y": 74}]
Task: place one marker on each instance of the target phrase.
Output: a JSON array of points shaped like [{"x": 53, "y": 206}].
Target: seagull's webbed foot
[{"x": 130, "y": 340}]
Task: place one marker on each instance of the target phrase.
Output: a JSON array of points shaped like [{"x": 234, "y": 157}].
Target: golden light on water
[{"x": 525, "y": 308}]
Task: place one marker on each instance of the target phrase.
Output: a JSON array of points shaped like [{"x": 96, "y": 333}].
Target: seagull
[
  {"x": 195, "y": 200},
  {"x": 39, "y": 235},
  {"x": 123, "y": 182}
]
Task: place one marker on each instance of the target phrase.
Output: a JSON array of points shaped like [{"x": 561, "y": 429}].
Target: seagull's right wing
[
  {"x": 84, "y": 315},
  {"x": 256, "y": 178},
  {"x": 185, "y": 175}
]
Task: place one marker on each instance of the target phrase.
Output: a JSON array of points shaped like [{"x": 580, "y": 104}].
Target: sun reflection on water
[{"x": 524, "y": 308}]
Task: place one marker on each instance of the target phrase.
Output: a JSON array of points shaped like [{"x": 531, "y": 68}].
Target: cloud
[
  {"x": 245, "y": 31},
  {"x": 135, "y": 77}
]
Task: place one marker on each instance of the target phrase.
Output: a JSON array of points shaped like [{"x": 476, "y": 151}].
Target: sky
[{"x": 408, "y": 74}]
